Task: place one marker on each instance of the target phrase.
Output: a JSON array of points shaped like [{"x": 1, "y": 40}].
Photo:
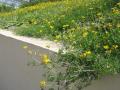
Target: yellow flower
[
  {"x": 58, "y": 36},
  {"x": 83, "y": 17},
  {"x": 49, "y": 22},
  {"x": 51, "y": 27},
  {"x": 84, "y": 54},
  {"x": 115, "y": 46},
  {"x": 109, "y": 25},
  {"x": 64, "y": 26},
  {"x": 56, "y": 40},
  {"x": 88, "y": 52},
  {"x": 118, "y": 25},
  {"x": 99, "y": 14},
  {"x": 35, "y": 22},
  {"x": 40, "y": 31},
  {"x": 25, "y": 47},
  {"x": 106, "y": 47},
  {"x": 101, "y": 18},
  {"x": 85, "y": 34},
  {"x": 43, "y": 84},
  {"x": 73, "y": 21},
  {"x": 115, "y": 11},
  {"x": 45, "y": 59},
  {"x": 118, "y": 3}
]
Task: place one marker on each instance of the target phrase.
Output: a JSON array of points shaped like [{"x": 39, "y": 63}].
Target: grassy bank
[{"x": 49, "y": 19}]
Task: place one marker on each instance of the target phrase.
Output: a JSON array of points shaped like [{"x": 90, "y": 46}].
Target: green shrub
[
  {"x": 33, "y": 2},
  {"x": 5, "y": 8}
]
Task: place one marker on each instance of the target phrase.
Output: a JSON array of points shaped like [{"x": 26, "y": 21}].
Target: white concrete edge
[{"x": 46, "y": 44}]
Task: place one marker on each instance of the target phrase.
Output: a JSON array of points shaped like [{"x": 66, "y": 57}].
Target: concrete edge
[{"x": 46, "y": 44}]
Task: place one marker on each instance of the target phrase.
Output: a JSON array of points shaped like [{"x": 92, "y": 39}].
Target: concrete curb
[{"x": 46, "y": 44}]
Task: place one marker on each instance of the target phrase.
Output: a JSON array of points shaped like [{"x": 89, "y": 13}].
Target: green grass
[{"x": 49, "y": 21}]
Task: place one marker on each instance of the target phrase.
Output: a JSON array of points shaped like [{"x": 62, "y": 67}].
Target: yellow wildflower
[
  {"x": 88, "y": 52},
  {"x": 25, "y": 47},
  {"x": 35, "y": 22},
  {"x": 64, "y": 26},
  {"x": 73, "y": 21},
  {"x": 83, "y": 17},
  {"x": 118, "y": 25},
  {"x": 116, "y": 11},
  {"x": 42, "y": 84},
  {"x": 106, "y": 47},
  {"x": 85, "y": 34},
  {"x": 40, "y": 31},
  {"x": 49, "y": 22},
  {"x": 51, "y": 27},
  {"x": 58, "y": 36},
  {"x": 118, "y": 3},
  {"x": 109, "y": 25},
  {"x": 99, "y": 14},
  {"x": 45, "y": 59},
  {"x": 84, "y": 54},
  {"x": 56, "y": 40},
  {"x": 115, "y": 46}
]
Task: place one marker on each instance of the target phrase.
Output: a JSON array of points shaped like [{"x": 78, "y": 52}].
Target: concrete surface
[
  {"x": 14, "y": 72},
  {"x": 47, "y": 44}
]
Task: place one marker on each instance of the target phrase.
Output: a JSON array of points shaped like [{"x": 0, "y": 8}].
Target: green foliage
[
  {"x": 33, "y": 2},
  {"x": 5, "y": 8}
]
